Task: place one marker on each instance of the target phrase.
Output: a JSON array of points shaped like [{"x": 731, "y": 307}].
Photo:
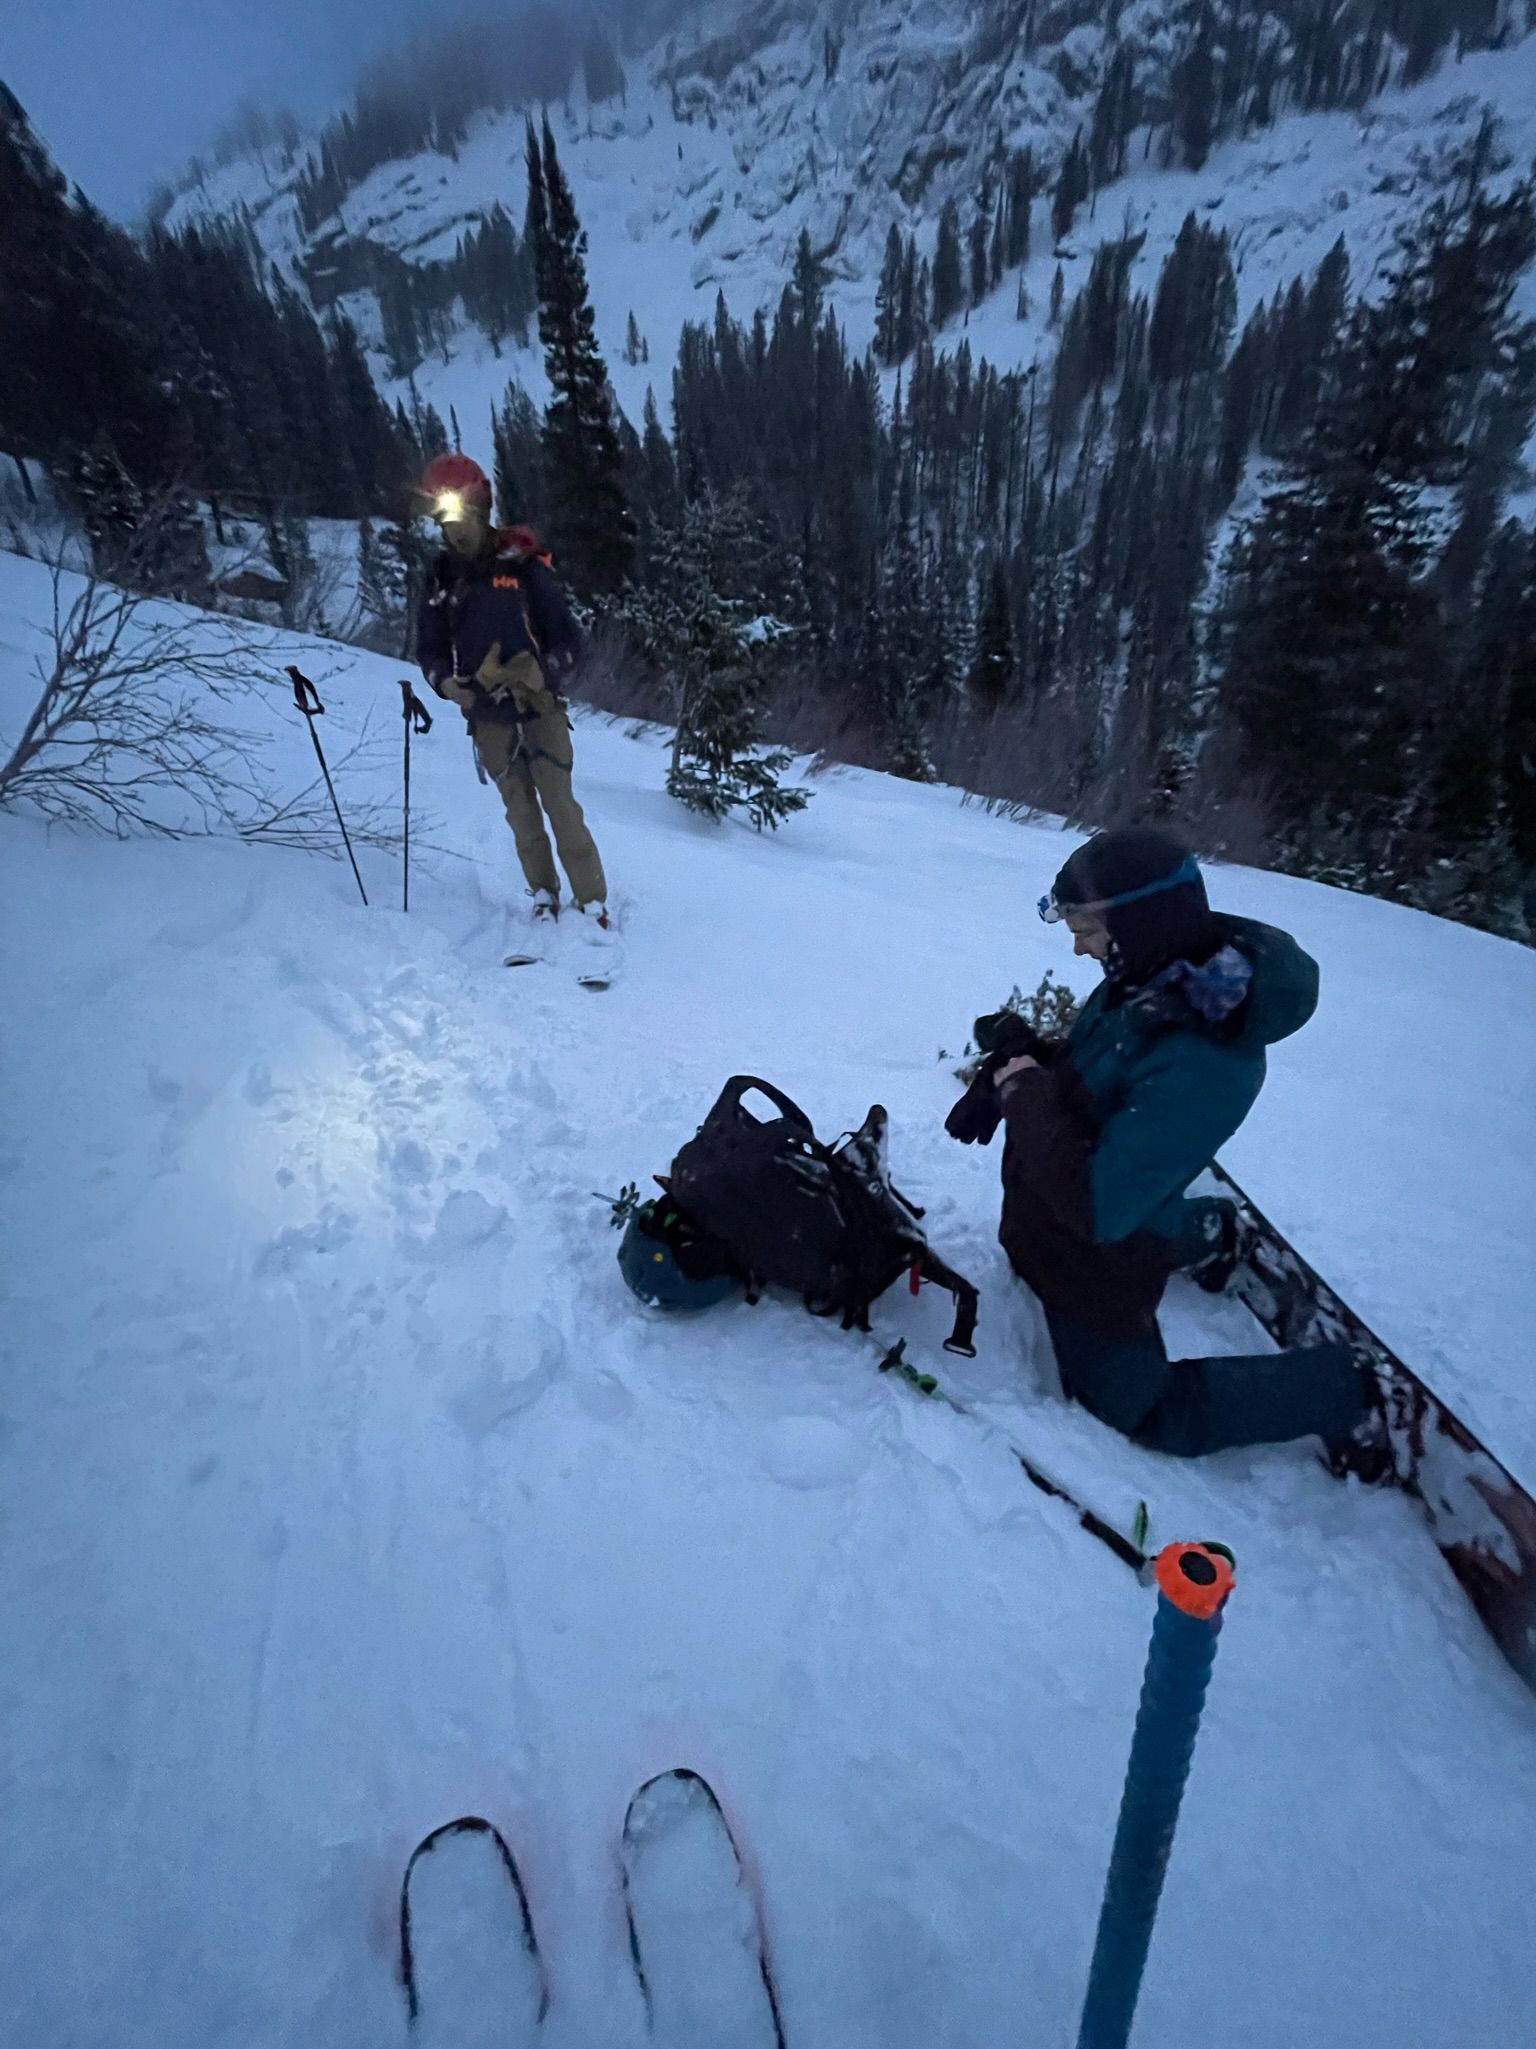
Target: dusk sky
[{"x": 123, "y": 91}]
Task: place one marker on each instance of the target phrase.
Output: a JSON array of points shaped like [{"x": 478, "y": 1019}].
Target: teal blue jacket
[{"x": 1103, "y": 1144}]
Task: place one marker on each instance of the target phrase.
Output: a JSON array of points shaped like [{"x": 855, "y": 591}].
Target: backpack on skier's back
[{"x": 821, "y": 1221}]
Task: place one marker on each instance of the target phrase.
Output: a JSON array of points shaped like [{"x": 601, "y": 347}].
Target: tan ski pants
[{"x": 531, "y": 766}]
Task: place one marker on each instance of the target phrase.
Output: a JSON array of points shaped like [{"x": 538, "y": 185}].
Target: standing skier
[
  {"x": 1106, "y": 1130},
  {"x": 494, "y": 634}
]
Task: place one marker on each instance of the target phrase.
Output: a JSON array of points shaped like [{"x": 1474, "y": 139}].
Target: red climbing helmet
[{"x": 456, "y": 477}]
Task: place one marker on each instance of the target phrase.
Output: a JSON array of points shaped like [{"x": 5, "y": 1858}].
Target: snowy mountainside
[
  {"x": 722, "y": 151},
  {"x": 348, "y": 1490}
]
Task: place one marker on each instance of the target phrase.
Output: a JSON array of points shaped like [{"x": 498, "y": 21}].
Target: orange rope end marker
[{"x": 1197, "y": 1578}]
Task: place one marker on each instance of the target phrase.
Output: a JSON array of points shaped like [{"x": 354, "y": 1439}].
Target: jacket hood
[{"x": 1283, "y": 994}]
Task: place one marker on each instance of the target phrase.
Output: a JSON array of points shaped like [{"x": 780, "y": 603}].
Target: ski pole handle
[
  {"x": 413, "y": 710},
  {"x": 305, "y": 695}
]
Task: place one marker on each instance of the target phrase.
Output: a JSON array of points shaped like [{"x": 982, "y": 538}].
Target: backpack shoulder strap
[{"x": 960, "y": 1338}]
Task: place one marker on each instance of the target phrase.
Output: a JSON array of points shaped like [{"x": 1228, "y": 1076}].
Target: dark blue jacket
[{"x": 508, "y": 596}]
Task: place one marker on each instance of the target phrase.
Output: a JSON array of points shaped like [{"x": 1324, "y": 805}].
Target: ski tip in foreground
[
  {"x": 472, "y": 1826},
  {"x": 696, "y": 1936}
]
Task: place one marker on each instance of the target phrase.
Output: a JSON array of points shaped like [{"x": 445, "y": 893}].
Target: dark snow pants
[{"x": 1191, "y": 1406}]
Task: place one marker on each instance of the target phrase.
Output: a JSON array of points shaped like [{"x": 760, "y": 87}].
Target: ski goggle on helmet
[{"x": 1052, "y": 910}]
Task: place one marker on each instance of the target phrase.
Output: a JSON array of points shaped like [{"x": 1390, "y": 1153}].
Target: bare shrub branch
[{"x": 126, "y": 735}]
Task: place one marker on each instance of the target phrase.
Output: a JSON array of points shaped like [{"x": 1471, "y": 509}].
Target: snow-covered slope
[
  {"x": 346, "y": 1489},
  {"x": 703, "y": 179}
]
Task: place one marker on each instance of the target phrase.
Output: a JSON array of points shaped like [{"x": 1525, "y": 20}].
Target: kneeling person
[{"x": 1106, "y": 1131}]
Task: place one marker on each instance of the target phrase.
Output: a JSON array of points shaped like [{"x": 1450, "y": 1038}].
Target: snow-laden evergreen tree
[
  {"x": 171, "y": 551},
  {"x": 111, "y": 507},
  {"x": 700, "y": 617}
]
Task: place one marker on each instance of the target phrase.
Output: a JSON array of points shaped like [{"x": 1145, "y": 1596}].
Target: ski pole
[
  {"x": 419, "y": 719},
  {"x": 1194, "y": 1581},
  {"x": 307, "y": 698}
]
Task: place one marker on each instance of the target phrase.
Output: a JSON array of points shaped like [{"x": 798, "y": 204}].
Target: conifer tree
[
  {"x": 594, "y": 529},
  {"x": 1071, "y": 188},
  {"x": 518, "y": 442},
  {"x": 1337, "y": 648},
  {"x": 700, "y": 616},
  {"x": 810, "y": 279},
  {"x": 1194, "y": 97},
  {"x": 1021, "y": 199},
  {"x": 992, "y": 671},
  {"x": 948, "y": 280},
  {"x": 981, "y": 243},
  {"x": 888, "y": 300}
]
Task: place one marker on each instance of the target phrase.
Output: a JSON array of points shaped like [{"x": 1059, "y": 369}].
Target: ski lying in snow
[
  {"x": 469, "y": 1958},
  {"x": 1483, "y": 1520},
  {"x": 695, "y": 1925},
  {"x": 1129, "y": 1549}
]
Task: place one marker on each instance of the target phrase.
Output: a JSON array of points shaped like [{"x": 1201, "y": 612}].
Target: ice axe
[
  {"x": 307, "y": 698},
  {"x": 417, "y": 720}
]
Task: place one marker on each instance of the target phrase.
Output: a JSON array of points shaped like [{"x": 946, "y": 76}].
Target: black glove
[
  {"x": 976, "y": 1116},
  {"x": 1004, "y": 1035}
]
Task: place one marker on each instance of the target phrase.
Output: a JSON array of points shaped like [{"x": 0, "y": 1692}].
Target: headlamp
[
  {"x": 1188, "y": 870},
  {"x": 450, "y": 505}
]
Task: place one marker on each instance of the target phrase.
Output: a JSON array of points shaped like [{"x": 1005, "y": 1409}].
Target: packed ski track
[{"x": 346, "y": 1489}]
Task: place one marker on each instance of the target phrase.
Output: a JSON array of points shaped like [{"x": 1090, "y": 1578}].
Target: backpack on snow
[{"x": 822, "y": 1221}]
